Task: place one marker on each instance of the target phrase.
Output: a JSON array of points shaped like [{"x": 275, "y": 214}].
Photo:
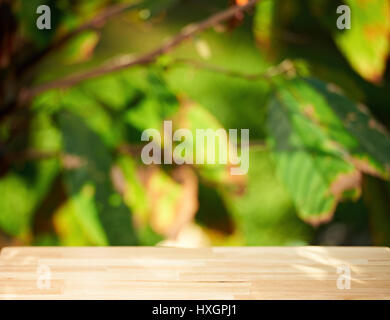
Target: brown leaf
[
  {"x": 71, "y": 162},
  {"x": 174, "y": 199},
  {"x": 345, "y": 182},
  {"x": 118, "y": 180}
]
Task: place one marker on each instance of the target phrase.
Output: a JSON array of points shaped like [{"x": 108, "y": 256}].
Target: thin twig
[
  {"x": 285, "y": 67},
  {"x": 31, "y": 154},
  {"x": 129, "y": 61},
  {"x": 218, "y": 69}
]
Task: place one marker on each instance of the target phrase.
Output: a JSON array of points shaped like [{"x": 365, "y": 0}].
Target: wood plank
[{"x": 208, "y": 273}]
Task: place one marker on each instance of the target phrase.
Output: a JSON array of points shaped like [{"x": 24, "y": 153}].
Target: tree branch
[
  {"x": 96, "y": 22},
  {"x": 286, "y": 66},
  {"x": 128, "y": 61}
]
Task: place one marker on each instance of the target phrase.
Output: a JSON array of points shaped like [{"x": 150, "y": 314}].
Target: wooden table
[{"x": 210, "y": 273}]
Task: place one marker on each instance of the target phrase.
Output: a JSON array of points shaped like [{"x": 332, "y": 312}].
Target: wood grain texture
[{"x": 209, "y": 273}]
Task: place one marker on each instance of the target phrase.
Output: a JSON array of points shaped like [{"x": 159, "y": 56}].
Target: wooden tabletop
[{"x": 211, "y": 273}]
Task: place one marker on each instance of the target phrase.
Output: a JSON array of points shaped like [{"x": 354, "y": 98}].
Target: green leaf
[
  {"x": 92, "y": 112},
  {"x": 310, "y": 167},
  {"x": 77, "y": 222},
  {"x": 16, "y": 205},
  {"x": 81, "y": 48},
  {"x": 158, "y": 105},
  {"x": 368, "y": 143},
  {"x": 113, "y": 91},
  {"x": 366, "y": 45},
  {"x": 264, "y": 23},
  {"x": 24, "y": 187},
  {"x": 90, "y": 164},
  {"x": 134, "y": 194},
  {"x": 21, "y": 191},
  {"x": 322, "y": 143},
  {"x": 194, "y": 117}
]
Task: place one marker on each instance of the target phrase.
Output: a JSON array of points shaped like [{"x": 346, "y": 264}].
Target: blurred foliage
[{"x": 70, "y": 168}]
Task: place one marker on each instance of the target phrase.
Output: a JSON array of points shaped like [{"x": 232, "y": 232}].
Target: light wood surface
[{"x": 211, "y": 273}]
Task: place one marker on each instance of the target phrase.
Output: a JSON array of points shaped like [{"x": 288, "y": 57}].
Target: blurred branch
[
  {"x": 130, "y": 150},
  {"x": 285, "y": 66},
  {"x": 30, "y": 154},
  {"x": 129, "y": 61},
  {"x": 95, "y": 23},
  {"x": 7, "y": 240},
  {"x": 258, "y": 144}
]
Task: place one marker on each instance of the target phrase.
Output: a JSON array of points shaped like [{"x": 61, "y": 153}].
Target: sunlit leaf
[
  {"x": 368, "y": 143},
  {"x": 322, "y": 142},
  {"x": 134, "y": 194},
  {"x": 77, "y": 222},
  {"x": 264, "y": 23},
  {"x": 81, "y": 48},
  {"x": 173, "y": 199},
  {"x": 313, "y": 171},
  {"x": 367, "y": 44},
  {"x": 194, "y": 117}
]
